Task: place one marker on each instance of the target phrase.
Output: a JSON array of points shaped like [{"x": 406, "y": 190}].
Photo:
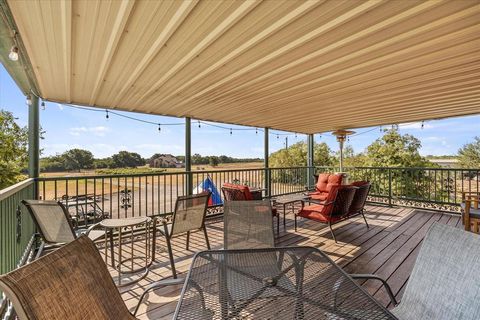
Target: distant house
[{"x": 165, "y": 161}]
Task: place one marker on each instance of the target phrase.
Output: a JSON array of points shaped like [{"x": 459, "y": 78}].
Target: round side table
[{"x": 129, "y": 261}]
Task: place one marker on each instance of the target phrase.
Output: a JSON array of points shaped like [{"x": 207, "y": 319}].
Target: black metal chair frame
[
  {"x": 348, "y": 216},
  {"x": 169, "y": 235}
]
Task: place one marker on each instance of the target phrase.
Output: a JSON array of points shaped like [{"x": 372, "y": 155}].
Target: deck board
[{"x": 387, "y": 248}]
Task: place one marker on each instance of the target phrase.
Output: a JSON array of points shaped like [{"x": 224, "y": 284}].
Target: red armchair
[
  {"x": 238, "y": 192},
  {"x": 342, "y": 203},
  {"x": 325, "y": 183}
]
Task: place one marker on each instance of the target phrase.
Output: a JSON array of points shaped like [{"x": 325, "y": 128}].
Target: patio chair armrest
[
  {"x": 375, "y": 277},
  {"x": 158, "y": 285},
  {"x": 93, "y": 226}
]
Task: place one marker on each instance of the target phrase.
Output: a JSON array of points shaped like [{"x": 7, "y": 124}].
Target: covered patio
[{"x": 304, "y": 67}]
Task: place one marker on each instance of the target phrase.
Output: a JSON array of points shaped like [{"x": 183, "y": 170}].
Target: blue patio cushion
[{"x": 445, "y": 282}]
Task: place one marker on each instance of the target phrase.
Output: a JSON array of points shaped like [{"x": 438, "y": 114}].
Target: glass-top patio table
[{"x": 273, "y": 283}]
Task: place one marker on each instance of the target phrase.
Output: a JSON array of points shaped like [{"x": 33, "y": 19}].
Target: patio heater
[{"x": 341, "y": 136}]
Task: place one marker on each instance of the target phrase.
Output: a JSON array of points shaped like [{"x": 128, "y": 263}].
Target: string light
[
  {"x": 256, "y": 130},
  {"x": 159, "y": 128},
  {"x": 278, "y": 136},
  {"x": 43, "y": 105},
  {"x": 231, "y": 131},
  {"x": 199, "y": 124},
  {"x": 423, "y": 124},
  {"x": 106, "y": 114},
  {"x": 13, "y": 55},
  {"x": 295, "y": 135},
  {"x": 29, "y": 100}
]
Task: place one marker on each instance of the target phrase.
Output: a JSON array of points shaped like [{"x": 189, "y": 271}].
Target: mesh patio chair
[
  {"x": 238, "y": 192},
  {"x": 189, "y": 215},
  {"x": 55, "y": 225},
  {"x": 445, "y": 282},
  {"x": 248, "y": 225},
  {"x": 71, "y": 283}
]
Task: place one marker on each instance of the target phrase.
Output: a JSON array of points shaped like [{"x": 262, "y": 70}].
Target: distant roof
[{"x": 300, "y": 66}]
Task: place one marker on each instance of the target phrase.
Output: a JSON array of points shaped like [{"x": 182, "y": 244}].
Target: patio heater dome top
[{"x": 342, "y": 134}]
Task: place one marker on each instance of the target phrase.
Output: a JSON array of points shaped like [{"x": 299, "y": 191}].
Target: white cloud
[
  {"x": 98, "y": 131},
  {"x": 416, "y": 125}
]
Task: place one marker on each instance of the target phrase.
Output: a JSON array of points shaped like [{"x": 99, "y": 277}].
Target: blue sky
[{"x": 68, "y": 128}]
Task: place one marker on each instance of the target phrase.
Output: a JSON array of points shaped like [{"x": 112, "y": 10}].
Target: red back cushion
[
  {"x": 244, "y": 189},
  {"x": 334, "y": 180},
  {"x": 322, "y": 182},
  {"x": 326, "y": 181}
]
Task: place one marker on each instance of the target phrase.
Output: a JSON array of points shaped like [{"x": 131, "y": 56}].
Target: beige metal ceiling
[{"x": 304, "y": 66}]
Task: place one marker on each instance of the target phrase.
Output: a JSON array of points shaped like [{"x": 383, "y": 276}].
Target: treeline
[
  {"x": 216, "y": 160},
  {"x": 79, "y": 159}
]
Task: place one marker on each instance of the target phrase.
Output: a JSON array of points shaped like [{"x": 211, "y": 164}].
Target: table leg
[
  {"x": 112, "y": 258},
  {"x": 284, "y": 224}
]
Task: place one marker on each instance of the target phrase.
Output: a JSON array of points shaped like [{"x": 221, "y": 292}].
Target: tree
[
  {"x": 213, "y": 161},
  {"x": 77, "y": 159},
  {"x": 296, "y": 155},
  {"x": 395, "y": 150},
  {"x": 125, "y": 159},
  {"x": 469, "y": 154},
  {"x": 13, "y": 151},
  {"x": 52, "y": 164}
]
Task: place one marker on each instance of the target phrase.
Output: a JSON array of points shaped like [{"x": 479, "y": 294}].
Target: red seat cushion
[
  {"x": 318, "y": 212},
  {"x": 320, "y": 196}
]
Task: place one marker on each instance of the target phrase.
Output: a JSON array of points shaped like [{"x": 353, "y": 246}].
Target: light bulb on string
[
  {"x": 231, "y": 131},
  {"x": 278, "y": 137},
  {"x": 106, "y": 114},
  {"x": 199, "y": 124},
  {"x": 43, "y": 105},
  {"x": 256, "y": 130},
  {"x": 29, "y": 100},
  {"x": 13, "y": 55},
  {"x": 159, "y": 128},
  {"x": 423, "y": 124}
]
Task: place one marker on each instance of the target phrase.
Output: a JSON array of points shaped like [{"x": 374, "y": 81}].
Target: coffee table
[
  {"x": 127, "y": 230},
  {"x": 291, "y": 199}
]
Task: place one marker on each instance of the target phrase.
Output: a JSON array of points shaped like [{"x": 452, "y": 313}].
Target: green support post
[
  {"x": 33, "y": 138},
  {"x": 188, "y": 154},
  {"x": 267, "y": 175},
  {"x": 310, "y": 161}
]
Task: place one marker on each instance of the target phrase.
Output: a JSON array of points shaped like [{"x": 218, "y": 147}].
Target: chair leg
[
  {"x": 331, "y": 231},
  {"x": 188, "y": 241},
  {"x": 206, "y": 237},
  {"x": 278, "y": 223},
  {"x": 170, "y": 255},
  {"x": 295, "y": 221},
  {"x": 363, "y": 215}
]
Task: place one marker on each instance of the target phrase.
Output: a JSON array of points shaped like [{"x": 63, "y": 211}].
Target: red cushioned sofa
[
  {"x": 342, "y": 202},
  {"x": 325, "y": 182}
]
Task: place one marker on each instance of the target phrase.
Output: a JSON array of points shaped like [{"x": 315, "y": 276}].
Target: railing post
[
  {"x": 310, "y": 161},
  {"x": 267, "y": 176},
  {"x": 389, "y": 187},
  {"x": 188, "y": 154},
  {"x": 33, "y": 137}
]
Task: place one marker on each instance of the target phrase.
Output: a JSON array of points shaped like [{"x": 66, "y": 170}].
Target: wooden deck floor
[{"x": 388, "y": 248}]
